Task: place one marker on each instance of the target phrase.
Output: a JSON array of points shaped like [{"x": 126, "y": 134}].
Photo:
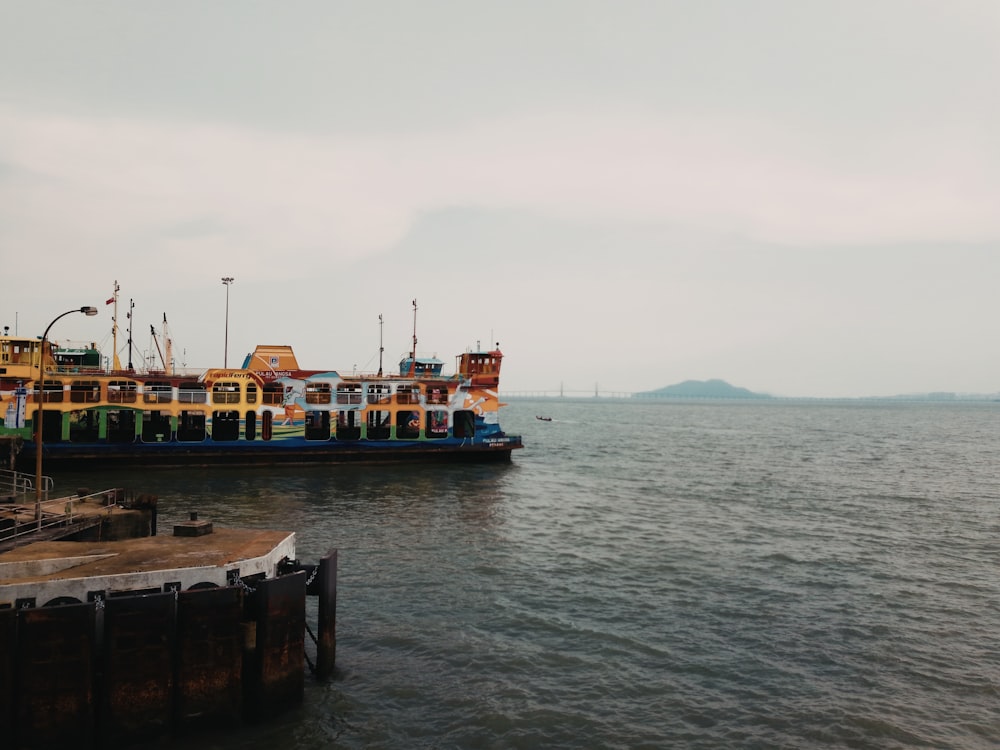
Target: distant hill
[{"x": 701, "y": 389}]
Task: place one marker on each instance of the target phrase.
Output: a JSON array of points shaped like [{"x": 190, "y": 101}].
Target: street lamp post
[
  {"x": 227, "y": 280},
  {"x": 88, "y": 311}
]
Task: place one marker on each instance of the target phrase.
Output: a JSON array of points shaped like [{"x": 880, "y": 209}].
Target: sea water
[{"x": 650, "y": 575}]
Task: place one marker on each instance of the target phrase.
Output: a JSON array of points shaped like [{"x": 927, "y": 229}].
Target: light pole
[
  {"x": 89, "y": 311},
  {"x": 227, "y": 280}
]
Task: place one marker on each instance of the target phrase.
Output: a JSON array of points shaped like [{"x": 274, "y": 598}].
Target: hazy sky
[{"x": 801, "y": 197}]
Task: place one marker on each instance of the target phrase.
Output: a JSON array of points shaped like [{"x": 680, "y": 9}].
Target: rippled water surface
[{"x": 698, "y": 575}]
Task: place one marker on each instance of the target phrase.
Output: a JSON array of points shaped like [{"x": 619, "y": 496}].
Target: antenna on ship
[
  {"x": 165, "y": 361},
  {"x": 380, "y": 347},
  {"x": 169, "y": 366},
  {"x": 156, "y": 341},
  {"x": 131, "y": 307},
  {"x": 115, "y": 362},
  {"x": 413, "y": 352}
]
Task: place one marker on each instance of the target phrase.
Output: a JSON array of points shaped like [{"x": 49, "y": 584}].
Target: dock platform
[
  {"x": 119, "y": 643},
  {"x": 45, "y": 571}
]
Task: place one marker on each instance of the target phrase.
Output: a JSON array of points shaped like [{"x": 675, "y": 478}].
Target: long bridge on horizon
[{"x": 565, "y": 393}]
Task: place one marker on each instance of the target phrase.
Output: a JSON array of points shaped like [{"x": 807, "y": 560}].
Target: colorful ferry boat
[{"x": 270, "y": 410}]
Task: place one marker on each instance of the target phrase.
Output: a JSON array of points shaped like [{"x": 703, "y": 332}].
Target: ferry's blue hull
[{"x": 287, "y": 452}]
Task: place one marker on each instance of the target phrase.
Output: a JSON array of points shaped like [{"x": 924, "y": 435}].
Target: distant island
[
  {"x": 716, "y": 389},
  {"x": 720, "y": 389},
  {"x": 701, "y": 389}
]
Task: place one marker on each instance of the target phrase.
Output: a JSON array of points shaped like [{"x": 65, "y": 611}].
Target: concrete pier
[
  {"x": 48, "y": 571},
  {"x": 109, "y": 644}
]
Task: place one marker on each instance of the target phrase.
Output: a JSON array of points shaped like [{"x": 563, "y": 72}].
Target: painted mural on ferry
[{"x": 95, "y": 412}]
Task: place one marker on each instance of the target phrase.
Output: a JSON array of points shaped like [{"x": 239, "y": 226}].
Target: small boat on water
[
  {"x": 544, "y": 419},
  {"x": 270, "y": 410}
]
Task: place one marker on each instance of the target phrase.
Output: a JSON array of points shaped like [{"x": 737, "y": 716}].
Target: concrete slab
[{"x": 45, "y": 571}]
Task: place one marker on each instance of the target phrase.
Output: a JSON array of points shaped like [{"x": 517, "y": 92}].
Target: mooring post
[{"x": 326, "y": 637}]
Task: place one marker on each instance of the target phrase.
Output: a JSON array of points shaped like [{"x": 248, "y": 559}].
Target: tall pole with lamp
[
  {"x": 88, "y": 311},
  {"x": 227, "y": 280}
]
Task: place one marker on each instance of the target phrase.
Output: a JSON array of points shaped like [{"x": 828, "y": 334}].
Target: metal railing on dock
[
  {"x": 16, "y": 483},
  {"x": 24, "y": 517}
]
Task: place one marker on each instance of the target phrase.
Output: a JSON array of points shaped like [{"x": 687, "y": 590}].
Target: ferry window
[
  {"x": 24, "y": 355},
  {"x": 437, "y": 423},
  {"x": 378, "y": 393},
  {"x": 226, "y": 392},
  {"x": 156, "y": 392},
  {"x": 465, "y": 424},
  {"x": 317, "y": 425},
  {"x": 191, "y": 427},
  {"x": 408, "y": 394},
  {"x": 52, "y": 425},
  {"x": 52, "y": 392},
  {"x": 250, "y": 422},
  {"x": 190, "y": 392},
  {"x": 122, "y": 391},
  {"x": 251, "y": 393},
  {"x": 84, "y": 425},
  {"x": 408, "y": 425},
  {"x": 155, "y": 427},
  {"x": 84, "y": 391},
  {"x": 225, "y": 425},
  {"x": 274, "y": 394},
  {"x": 437, "y": 394},
  {"x": 379, "y": 424},
  {"x": 349, "y": 393},
  {"x": 348, "y": 425},
  {"x": 121, "y": 426},
  {"x": 318, "y": 393}
]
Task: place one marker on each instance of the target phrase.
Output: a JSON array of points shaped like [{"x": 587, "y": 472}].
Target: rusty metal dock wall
[{"x": 128, "y": 670}]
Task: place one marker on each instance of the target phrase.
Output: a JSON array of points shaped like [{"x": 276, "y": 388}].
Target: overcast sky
[{"x": 801, "y": 197}]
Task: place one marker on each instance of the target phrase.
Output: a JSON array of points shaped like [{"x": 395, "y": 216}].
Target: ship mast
[
  {"x": 413, "y": 352},
  {"x": 115, "y": 362},
  {"x": 380, "y": 347},
  {"x": 169, "y": 364},
  {"x": 131, "y": 307},
  {"x": 152, "y": 332},
  {"x": 166, "y": 361}
]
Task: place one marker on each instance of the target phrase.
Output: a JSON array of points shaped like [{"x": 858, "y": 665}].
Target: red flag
[{"x": 110, "y": 301}]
